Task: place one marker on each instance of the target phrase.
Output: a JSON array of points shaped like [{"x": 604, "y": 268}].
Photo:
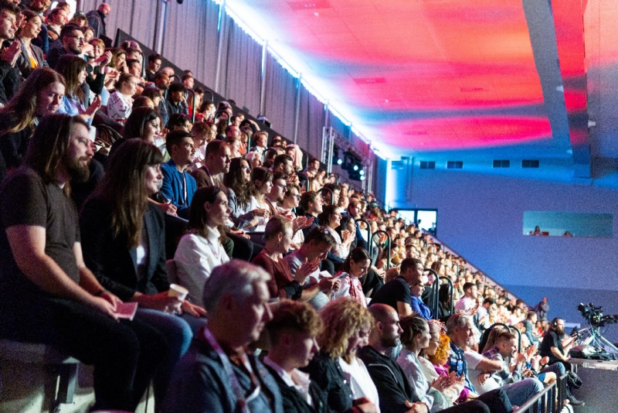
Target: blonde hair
[
  {"x": 441, "y": 355},
  {"x": 342, "y": 319}
]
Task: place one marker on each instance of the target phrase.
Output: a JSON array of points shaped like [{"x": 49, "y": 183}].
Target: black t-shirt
[
  {"x": 393, "y": 291},
  {"x": 26, "y": 200},
  {"x": 550, "y": 340}
]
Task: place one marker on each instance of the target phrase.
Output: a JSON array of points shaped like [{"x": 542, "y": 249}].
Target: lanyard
[{"x": 243, "y": 401}]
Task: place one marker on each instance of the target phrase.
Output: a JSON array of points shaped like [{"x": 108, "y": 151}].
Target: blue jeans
[
  {"x": 178, "y": 334},
  {"x": 522, "y": 391}
]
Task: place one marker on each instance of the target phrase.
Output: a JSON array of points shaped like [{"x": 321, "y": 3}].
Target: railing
[
  {"x": 388, "y": 261},
  {"x": 332, "y": 199},
  {"x": 549, "y": 400},
  {"x": 306, "y": 180},
  {"x": 435, "y": 292},
  {"x": 451, "y": 292}
]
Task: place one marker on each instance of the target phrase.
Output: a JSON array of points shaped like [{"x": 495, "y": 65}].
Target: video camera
[{"x": 594, "y": 315}]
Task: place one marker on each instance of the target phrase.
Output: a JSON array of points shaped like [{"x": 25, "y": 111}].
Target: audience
[
  {"x": 48, "y": 294},
  {"x": 145, "y": 207},
  {"x": 218, "y": 373}
]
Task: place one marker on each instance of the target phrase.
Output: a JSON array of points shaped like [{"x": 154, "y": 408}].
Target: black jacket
[
  {"x": 293, "y": 402},
  {"x": 115, "y": 265},
  {"x": 13, "y": 145},
  {"x": 326, "y": 373},
  {"x": 393, "y": 386}
]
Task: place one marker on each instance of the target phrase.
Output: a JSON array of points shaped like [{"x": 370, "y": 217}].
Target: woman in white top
[
  {"x": 201, "y": 249},
  {"x": 261, "y": 184},
  {"x": 120, "y": 102},
  {"x": 354, "y": 267},
  {"x": 415, "y": 338}
]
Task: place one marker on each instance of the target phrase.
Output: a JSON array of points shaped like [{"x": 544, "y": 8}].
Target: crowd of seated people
[{"x": 275, "y": 258}]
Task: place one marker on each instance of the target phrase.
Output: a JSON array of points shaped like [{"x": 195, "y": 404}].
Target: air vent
[
  {"x": 471, "y": 89},
  {"x": 454, "y": 165},
  {"x": 309, "y": 4},
  {"x": 529, "y": 163},
  {"x": 502, "y": 164},
  {"x": 397, "y": 165},
  {"x": 428, "y": 164},
  {"x": 369, "y": 80}
]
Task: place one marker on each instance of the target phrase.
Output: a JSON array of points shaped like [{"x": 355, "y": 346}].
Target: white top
[
  {"x": 341, "y": 250},
  {"x": 465, "y": 304},
  {"x": 473, "y": 359},
  {"x": 412, "y": 368},
  {"x": 261, "y": 226},
  {"x": 118, "y": 107},
  {"x": 446, "y": 398},
  {"x": 298, "y": 379},
  {"x": 362, "y": 385},
  {"x": 348, "y": 283},
  {"x": 195, "y": 258}
]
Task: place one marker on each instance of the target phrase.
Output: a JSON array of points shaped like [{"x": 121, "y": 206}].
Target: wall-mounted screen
[{"x": 568, "y": 224}]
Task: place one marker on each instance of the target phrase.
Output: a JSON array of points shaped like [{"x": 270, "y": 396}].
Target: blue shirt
[
  {"x": 457, "y": 363},
  {"x": 178, "y": 187},
  {"x": 419, "y": 307}
]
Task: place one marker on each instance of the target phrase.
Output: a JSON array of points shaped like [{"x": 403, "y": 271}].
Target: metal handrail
[
  {"x": 435, "y": 287},
  {"x": 452, "y": 290},
  {"x": 192, "y": 105},
  {"x": 302, "y": 174},
  {"x": 332, "y": 198},
  {"x": 549, "y": 400},
  {"x": 388, "y": 262}
]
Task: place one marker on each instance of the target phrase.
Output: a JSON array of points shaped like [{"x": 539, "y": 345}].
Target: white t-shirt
[
  {"x": 360, "y": 381},
  {"x": 118, "y": 107},
  {"x": 466, "y": 303},
  {"x": 473, "y": 359},
  {"x": 195, "y": 258}
]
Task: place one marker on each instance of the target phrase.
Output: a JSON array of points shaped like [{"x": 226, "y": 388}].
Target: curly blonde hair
[
  {"x": 441, "y": 356},
  {"x": 342, "y": 319}
]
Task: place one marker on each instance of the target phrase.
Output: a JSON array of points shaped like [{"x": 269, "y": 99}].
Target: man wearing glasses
[{"x": 72, "y": 39}]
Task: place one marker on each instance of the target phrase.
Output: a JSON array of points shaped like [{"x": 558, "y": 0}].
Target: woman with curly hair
[
  {"x": 237, "y": 183},
  {"x": 339, "y": 373}
]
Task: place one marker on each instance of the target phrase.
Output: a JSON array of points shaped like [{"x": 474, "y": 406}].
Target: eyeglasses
[
  {"x": 78, "y": 38},
  {"x": 246, "y": 168},
  {"x": 282, "y": 186}
]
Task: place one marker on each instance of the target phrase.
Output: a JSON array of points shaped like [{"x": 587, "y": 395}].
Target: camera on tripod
[{"x": 594, "y": 315}]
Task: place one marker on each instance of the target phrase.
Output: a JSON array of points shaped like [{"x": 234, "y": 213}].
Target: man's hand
[
  {"x": 193, "y": 309},
  {"x": 111, "y": 298},
  {"x": 104, "y": 306},
  {"x": 483, "y": 378},
  {"x": 365, "y": 405},
  {"x": 328, "y": 284},
  {"x": 307, "y": 268},
  {"x": 417, "y": 407},
  {"x": 11, "y": 54}
]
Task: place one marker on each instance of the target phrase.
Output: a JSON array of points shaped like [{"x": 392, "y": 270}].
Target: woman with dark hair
[
  {"x": 143, "y": 123},
  {"x": 31, "y": 56},
  {"x": 278, "y": 237},
  {"x": 73, "y": 68},
  {"x": 40, "y": 95},
  {"x": 119, "y": 60},
  {"x": 201, "y": 250},
  {"x": 237, "y": 183},
  {"x": 331, "y": 219},
  {"x": 124, "y": 246},
  {"x": 154, "y": 93},
  {"x": 353, "y": 268},
  {"x": 261, "y": 184}
]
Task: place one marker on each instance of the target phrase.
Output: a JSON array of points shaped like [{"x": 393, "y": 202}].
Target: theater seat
[{"x": 59, "y": 373}]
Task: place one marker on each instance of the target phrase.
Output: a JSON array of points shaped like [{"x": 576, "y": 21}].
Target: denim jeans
[
  {"x": 522, "y": 391},
  {"x": 178, "y": 335}
]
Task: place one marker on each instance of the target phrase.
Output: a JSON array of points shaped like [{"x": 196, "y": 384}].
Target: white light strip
[{"x": 295, "y": 73}]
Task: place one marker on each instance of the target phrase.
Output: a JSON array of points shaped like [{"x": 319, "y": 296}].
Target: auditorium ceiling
[{"x": 498, "y": 77}]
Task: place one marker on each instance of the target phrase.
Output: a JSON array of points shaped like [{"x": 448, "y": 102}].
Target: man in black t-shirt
[
  {"x": 47, "y": 295},
  {"x": 557, "y": 350},
  {"x": 396, "y": 293}
]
